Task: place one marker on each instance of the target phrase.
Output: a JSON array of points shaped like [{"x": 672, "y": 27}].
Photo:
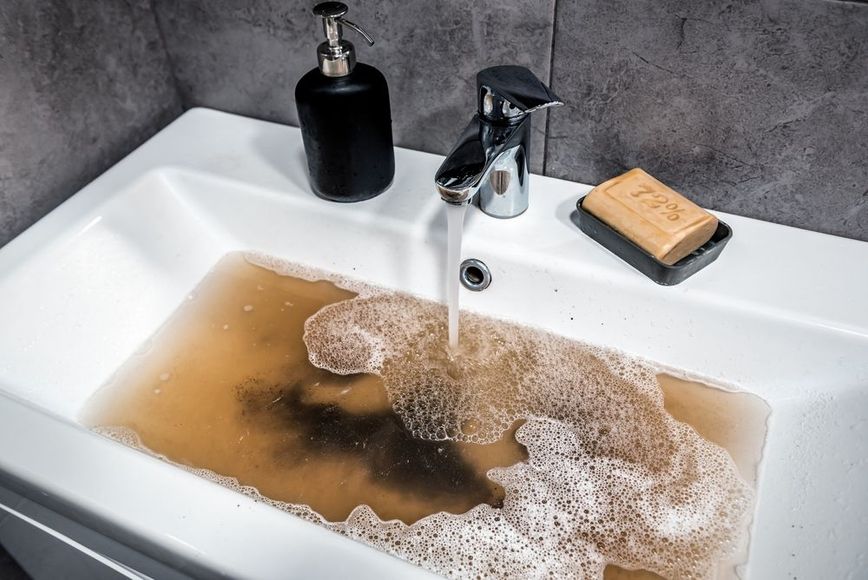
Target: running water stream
[{"x": 455, "y": 225}]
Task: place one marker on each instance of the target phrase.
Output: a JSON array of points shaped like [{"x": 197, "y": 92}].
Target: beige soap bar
[{"x": 657, "y": 218}]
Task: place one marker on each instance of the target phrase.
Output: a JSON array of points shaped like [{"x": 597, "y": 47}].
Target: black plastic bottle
[{"x": 345, "y": 118}]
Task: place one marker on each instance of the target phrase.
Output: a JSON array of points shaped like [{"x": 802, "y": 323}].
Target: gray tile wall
[
  {"x": 81, "y": 84},
  {"x": 245, "y": 56},
  {"x": 757, "y": 107}
]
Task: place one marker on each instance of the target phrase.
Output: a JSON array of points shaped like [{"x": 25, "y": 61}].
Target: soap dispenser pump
[{"x": 345, "y": 118}]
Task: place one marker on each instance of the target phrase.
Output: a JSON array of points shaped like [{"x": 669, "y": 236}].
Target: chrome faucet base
[{"x": 504, "y": 194}]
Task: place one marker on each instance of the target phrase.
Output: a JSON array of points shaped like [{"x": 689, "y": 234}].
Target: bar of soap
[{"x": 655, "y": 217}]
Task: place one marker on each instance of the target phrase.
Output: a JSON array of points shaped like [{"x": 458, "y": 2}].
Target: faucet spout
[
  {"x": 489, "y": 163},
  {"x": 480, "y": 150}
]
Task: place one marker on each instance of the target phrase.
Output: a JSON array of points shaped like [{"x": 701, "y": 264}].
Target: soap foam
[{"x": 612, "y": 478}]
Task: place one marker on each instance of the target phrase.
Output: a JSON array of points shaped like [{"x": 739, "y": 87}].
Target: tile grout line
[
  {"x": 169, "y": 60},
  {"x": 550, "y": 80}
]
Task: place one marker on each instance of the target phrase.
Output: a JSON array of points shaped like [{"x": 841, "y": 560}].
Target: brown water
[{"x": 492, "y": 463}]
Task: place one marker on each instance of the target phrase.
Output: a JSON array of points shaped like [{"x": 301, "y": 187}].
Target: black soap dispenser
[{"x": 345, "y": 119}]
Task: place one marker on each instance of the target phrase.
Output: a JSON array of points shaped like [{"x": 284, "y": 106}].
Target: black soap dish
[{"x": 659, "y": 272}]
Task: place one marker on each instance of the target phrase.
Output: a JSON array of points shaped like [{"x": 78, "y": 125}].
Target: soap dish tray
[{"x": 659, "y": 272}]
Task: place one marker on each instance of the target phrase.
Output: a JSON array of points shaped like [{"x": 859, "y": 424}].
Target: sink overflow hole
[{"x": 475, "y": 275}]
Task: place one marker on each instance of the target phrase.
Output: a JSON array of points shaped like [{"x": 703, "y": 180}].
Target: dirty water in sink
[{"x": 526, "y": 454}]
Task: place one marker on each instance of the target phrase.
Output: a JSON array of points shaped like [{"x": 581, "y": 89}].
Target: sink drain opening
[{"x": 475, "y": 275}]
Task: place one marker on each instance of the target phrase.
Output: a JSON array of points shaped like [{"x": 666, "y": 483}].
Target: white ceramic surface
[{"x": 783, "y": 313}]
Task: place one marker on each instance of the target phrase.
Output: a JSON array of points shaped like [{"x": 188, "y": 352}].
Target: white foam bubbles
[{"x": 611, "y": 478}]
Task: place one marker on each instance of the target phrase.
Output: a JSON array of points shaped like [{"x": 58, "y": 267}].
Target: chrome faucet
[{"x": 489, "y": 163}]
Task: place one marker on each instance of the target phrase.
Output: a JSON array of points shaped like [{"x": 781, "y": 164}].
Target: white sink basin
[{"x": 783, "y": 314}]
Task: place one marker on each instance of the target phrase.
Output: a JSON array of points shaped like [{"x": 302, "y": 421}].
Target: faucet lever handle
[{"x": 508, "y": 93}]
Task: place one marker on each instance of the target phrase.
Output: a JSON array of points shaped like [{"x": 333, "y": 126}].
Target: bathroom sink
[{"x": 783, "y": 313}]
